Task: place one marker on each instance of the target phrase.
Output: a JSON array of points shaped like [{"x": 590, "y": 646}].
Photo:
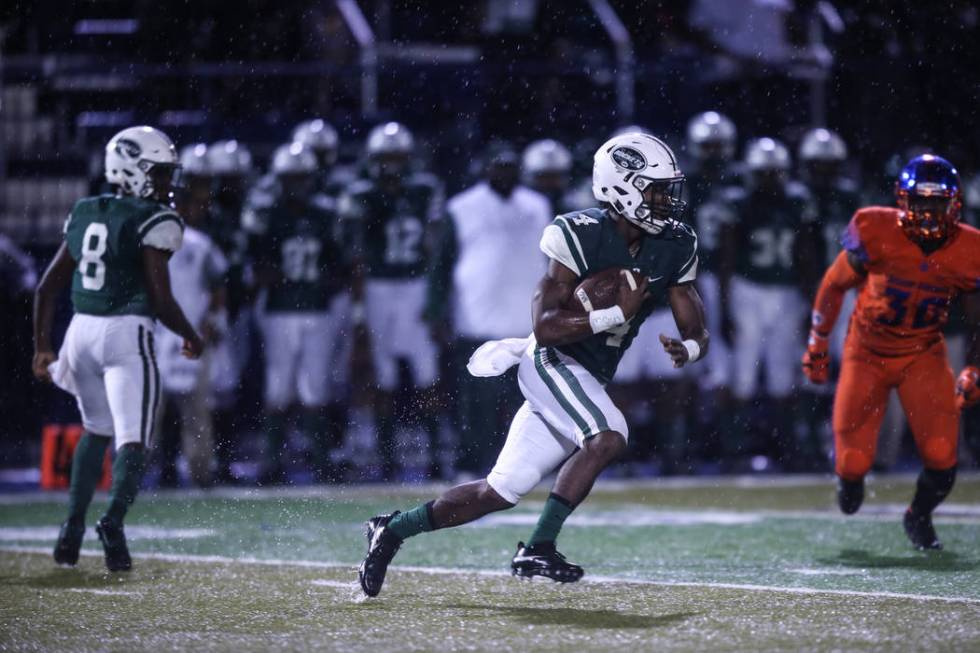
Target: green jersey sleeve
[
  {"x": 570, "y": 240},
  {"x": 163, "y": 230}
]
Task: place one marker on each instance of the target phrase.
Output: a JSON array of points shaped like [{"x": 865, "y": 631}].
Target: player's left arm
[
  {"x": 688, "y": 310},
  {"x": 56, "y": 278},
  {"x": 968, "y": 382}
]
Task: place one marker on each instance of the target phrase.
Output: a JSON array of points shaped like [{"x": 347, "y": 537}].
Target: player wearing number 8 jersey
[
  {"x": 909, "y": 264},
  {"x": 115, "y": 254}
]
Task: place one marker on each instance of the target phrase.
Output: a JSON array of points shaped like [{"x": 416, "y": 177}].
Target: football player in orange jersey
[{"x": 909, "y": 264}]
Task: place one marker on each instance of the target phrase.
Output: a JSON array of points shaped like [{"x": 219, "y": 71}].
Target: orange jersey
[{"x": 904, "y": 302}]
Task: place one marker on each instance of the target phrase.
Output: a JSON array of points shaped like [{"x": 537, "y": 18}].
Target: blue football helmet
[{"x": 928, "y": 192}]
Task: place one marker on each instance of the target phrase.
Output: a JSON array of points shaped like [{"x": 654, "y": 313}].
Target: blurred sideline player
[
  {"x": 546, "y": 166},
  {"x": 957, "y": 332},
  {"x": 711, "y": 143},
  {"x": 649, "y": 387},
  {"x": 766, "y": 259},
  {"x": 332, "y": 181},
  {"x": 115, "y": 256},
  {"x": 388, "y": 219},
  {"x": 568, "y": 420},
  {"x": 197, "y": 273},
  {"x": 485, "y": 267},
  {"x": 909, "y": 263},
  {"x": 321, "y": 137},
  {"x": 822, "y": 155},
  {"x": 229, "y": 163},
  {"x": 298, "y": 268}
]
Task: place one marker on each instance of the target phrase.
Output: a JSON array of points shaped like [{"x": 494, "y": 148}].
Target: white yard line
[
  {"x": 369, "y": 490},
  {"x": 323, "y": 582},
  {"x": 88, "y": 590},
  {"x": 455, "y": 571}
]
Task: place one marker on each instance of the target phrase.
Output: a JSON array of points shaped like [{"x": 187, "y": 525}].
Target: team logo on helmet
[
  {"x": 128, "y": 148},
  {"x": 627, "y": 157}
]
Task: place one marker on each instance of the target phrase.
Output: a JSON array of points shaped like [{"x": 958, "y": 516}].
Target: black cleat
[
  {"x": 382, "y": 547},
  {"x": 114, "y": 543},
  {"x": 544, "y": 560},
  {"x": 920, "y": 531},
  {"x": 69, "y": 543},
  {"x": 850, "y": 495}
]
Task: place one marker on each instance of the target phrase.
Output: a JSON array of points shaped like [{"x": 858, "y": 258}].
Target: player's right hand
[
  {"x": 968, "y": 387},
  {"x": 193, "y": 347},
  {"x": 631, "y": 296},
  {"x": 816, "y": 360},
  {"x": 40, "y": 365}
]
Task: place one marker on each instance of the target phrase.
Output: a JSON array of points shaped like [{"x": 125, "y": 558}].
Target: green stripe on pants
[
  {"x": 146, "y": 388},
  {"x": 577, "y": 390},
  {"x": 562, "y": 400}
]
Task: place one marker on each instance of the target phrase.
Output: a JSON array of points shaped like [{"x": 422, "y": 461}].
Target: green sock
[
  {"x": 415, "y": 521},
  {"x": 275, "y": 425},
  {"x": 556, "y": 511},
  {"x": 315, "y": 426},
  {"x": 86, "y": 470},
  {"x": 127, "y": 472}
]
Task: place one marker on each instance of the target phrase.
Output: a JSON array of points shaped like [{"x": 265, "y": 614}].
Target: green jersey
[
  {"x": 105, "y": 235},
  {"x": 587, "y": 242},
  {"x": 299, "y": 246},
  {"x": 388, "y": 231},
  {"x": 835, "y": 206},
  {"x": 766, "y": 231},
  {"x": 707, "y": 214}
]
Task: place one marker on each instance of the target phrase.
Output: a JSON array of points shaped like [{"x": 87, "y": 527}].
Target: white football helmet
[
  {"x": 711, "y": 128},
  {"x": 194, "y": 160},
  {"x": 319, "y": 136},
  {"x": 390, "y": 138},
  {"x": 131, "y": 154},
  {"x": 822, "y": 145},
  {"x": 625, "y": 165},
  {"x": 229, "y": 158},
  {"x": 545, "y": 156},
  {"x": 766, "y": 154},
  {"x": 293, "y": 159}
]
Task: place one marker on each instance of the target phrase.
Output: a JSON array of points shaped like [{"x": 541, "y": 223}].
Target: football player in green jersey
[
  {"x": 568, "y": 421},
  {"x": 115, "y": 255},
  {"x": 767, "y": 264},
  {"x": 711, "y": 144},
  {"x": 822, "y": 156},
  {"x": 546, "y": 166},
  {"x": 229, "y": 164},
  {"x": 388, "y": 220},
  {"x": 299, "y": 270}
]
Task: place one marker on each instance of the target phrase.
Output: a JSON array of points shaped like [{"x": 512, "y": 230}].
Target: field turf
[{"x": 714, "y": 564}]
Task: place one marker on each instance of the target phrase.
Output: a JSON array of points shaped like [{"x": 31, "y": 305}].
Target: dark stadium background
[{"x": 889, "y": 76}]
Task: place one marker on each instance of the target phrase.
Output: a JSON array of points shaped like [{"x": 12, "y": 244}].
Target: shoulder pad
[
  {"x": 583, "y": 220},
  {"x": 323, "y": 202},
  {"x": 162, "y": 230},
  {"x": 561, "y": 241},
  {"x": 732, "y": 194},
  {"x": 848, "y": 186},
  {"x": 360, "y": 186},
  {"x": 255, "y": 221},
  {"x": 796, "y": 190},
  {"x": 424, "y": 179},
  {"x": 867, "y": 229}
]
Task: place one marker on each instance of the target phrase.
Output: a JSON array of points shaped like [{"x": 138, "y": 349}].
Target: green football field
[{"x": 715, "y": 564}]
